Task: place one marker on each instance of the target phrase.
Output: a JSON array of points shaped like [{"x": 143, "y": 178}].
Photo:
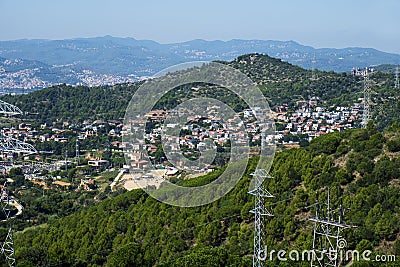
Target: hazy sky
[{"x": 319, "y": 23}]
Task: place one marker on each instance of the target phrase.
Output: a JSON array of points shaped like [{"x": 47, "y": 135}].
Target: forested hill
[
  {"x": 281, "y": 83},
  {"x": 74, "y": 104},
  {"x": 361, "y": 165}
]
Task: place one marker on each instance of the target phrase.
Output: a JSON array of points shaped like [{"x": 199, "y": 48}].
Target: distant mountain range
[{"x": 32, "y": 64}]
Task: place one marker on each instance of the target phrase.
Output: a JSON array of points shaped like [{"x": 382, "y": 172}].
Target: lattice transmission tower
[
  {"x": 77, "y": 152},
  {"x": 328, "y": 241},
  {"x": 9, "y": 144},
  {"x": 367, "y": 101},
  {"x": 313, "y": 68},
  {"x": 8, "y": 109},
  {"x": 7, "y": 248},
  {"x": 396, "y": 83},
  {"x": 260, "y": 211},
  {"x": 12, "y": 145}
]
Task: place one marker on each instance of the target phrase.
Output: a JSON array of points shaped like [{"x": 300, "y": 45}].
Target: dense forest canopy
[{"x": 361, "y": 166}]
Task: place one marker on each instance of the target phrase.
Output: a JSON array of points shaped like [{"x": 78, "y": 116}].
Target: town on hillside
[{"x": 295, "y": 127}]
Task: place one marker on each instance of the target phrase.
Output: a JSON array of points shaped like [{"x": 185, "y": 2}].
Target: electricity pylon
[
  {"x": 367, "y": 101},
  {"x": 9, "y": 144},
  {"x": 8, "y": 109},
  {"x": 259, "y": 193},
  {"x": 328, "y": 241},
  {"x": 313, "y": 68},
  {"x": 7, "y": 248},
  {"x": 77, "y": 151}
]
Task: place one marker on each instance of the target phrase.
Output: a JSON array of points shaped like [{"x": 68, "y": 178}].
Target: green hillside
[
  {"x": 133, "y": 229},
  {"x": 64, "y": 103},
  {"x": 280, "y": 82}
]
